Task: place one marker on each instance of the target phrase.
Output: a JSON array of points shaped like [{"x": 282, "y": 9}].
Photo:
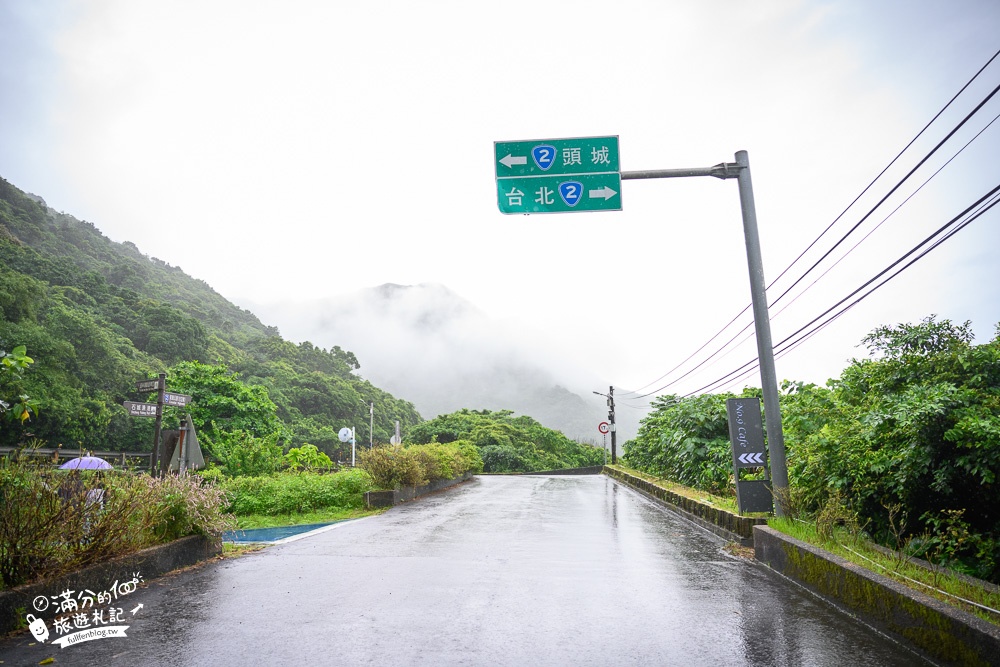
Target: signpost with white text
[
  {"x": 163, "y": 399},
  {"x": 558, "y": 175}
]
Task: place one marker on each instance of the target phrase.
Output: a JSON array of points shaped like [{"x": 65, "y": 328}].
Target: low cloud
[{"x": 428, "y": 345}]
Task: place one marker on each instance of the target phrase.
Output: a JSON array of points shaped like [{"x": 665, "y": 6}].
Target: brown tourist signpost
[{"x": 163, "y": 398}]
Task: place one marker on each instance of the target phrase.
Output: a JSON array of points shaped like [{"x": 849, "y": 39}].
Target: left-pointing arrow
[
  {"x": 510, "y": 160},
  {"x": 604, "y": 193}
]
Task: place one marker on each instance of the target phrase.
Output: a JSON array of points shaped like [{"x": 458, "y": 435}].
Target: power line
[
  {"x": 813, "y": 243},
  {"x": 956, "y": 224},
  {"x": 892, "y": 191},
  {"x": 886, "y": 218},
  {"x": 887, "y": 167}
]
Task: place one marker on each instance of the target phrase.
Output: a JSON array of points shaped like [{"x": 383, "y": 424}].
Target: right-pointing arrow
[{"x": 604, "y": 193}]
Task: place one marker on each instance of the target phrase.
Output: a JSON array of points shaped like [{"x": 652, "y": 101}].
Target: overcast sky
[{"x": 290, "y": 151}]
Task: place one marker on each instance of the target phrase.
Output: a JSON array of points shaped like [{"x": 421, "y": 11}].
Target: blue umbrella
[{"x": 86, "y": 463}]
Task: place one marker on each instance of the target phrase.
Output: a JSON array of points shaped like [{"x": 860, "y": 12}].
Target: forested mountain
[
  {"x": 96, "y": 316},
  {"x": 443, "y": 353}
]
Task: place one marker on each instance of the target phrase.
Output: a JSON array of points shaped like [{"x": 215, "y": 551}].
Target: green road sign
[
  {"x": 549, "y": 157},
  {"x": 560, "y": 194}
]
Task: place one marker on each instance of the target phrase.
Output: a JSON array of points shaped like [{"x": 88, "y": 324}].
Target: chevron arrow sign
[{"x": 756, "y": 458}]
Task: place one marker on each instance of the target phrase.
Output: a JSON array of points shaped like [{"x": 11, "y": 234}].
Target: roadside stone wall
[
  {"x": 721, "y": 522},
  {"x": 150, "y": 563},
  {"x": 376, "y": 499},
  {"x": 943, "y": 632}
]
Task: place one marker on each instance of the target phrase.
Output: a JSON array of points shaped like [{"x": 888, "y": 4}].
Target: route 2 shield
[
  {"x": 544, "y": 156},
  {"x": 571, "y": 192}
]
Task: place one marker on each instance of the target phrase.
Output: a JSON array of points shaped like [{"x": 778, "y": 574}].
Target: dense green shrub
[
  {"x": 240, "y": 453},
  {"x": 907, "y": 440},
  {"x": 416, "y": 465},
  {"x": 307, "y": 457},
  {"x": 287, "y": 493},
  {"x": 916, "y": 425},
  {"x": 686, "y": 440}
]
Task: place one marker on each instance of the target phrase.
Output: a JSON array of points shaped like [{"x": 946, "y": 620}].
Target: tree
[
  {"x": 686, "y": 440},
  {"x": 915, "y": 427},
  {"x": 12, "y": 365},
  {"x": 222, "y": 403},
  {"x": 507, "y": 443}
]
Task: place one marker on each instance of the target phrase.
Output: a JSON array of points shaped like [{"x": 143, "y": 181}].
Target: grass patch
[
  {"x": 728, "y": 503},
  {"x": 932, "y": 580},
  {"x": 299, "y": 519},
  {"x": 233, "y": 550},
  {"x": 291, "y": 493}
]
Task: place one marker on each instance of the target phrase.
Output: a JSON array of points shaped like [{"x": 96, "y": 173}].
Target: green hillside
[{"x": 96, "y": 316}]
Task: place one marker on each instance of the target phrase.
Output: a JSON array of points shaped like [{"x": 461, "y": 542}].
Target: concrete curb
[
  {"x": 150, "y": 563},
  {"x": 942, "y": 631},
  {"x": 727, "y": 525},
  {"x": 376, "y": 499}
]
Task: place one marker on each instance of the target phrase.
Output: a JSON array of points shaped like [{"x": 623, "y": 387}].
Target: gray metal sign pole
[
  {"x": 153, "y": 460},
  {"x": 740, "y": 170}
]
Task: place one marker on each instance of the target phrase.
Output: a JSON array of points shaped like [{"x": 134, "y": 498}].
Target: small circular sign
[
  {"x": 345, "y": 434},
  {"x": 604, "y": 427}
]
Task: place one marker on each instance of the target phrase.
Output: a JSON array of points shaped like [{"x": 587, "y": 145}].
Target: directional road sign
[
  {"x": 548, "y": 157},
  {"x": 145, "y": 386},
  {"x": 751, "y": 458},
  {"x": 558, "y": 175},
  {"x": 175, "y": 400},
  {"x": 560, "y": 194},
  {"x": 140, "y": 409}
]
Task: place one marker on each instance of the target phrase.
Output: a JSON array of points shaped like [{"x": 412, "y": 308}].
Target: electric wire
[
  {"x": 891, "y": 192},
  {"x": 887, "y": 167},
  {"x": 813, "y": 243},
  {"x": 886, "y": 218},
  {"x": 956, "y": 224}
]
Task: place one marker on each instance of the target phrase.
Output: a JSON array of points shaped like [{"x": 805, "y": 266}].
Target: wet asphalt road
[{"x": 499, "y": 571}]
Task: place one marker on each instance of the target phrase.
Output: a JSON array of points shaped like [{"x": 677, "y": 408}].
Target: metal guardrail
[{"x": 60, "y": 453}]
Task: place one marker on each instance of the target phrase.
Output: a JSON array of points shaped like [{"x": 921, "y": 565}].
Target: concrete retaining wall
[
  {"x": 721, "y": 522},
  {"x": 150, "y": 563},
  {"x": 375, "y": 499},
  {"x": 592, "y": 470},
  {"x": 943, "y": 632}
]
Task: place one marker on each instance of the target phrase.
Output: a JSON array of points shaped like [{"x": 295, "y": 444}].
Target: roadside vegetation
[
  {"x": 51, "y": 523},
  {"x": 417, "y": 465},
  {"x": 906, "y": 443},
  {"x": 292, "y": 493},
  {"x": 99, "y": 315},
  {"x": 507, "y": 443},
  {"x": 837, "y": 532}
]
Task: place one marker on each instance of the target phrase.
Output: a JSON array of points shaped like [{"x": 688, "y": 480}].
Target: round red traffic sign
[{"x": 604, "y": 427}]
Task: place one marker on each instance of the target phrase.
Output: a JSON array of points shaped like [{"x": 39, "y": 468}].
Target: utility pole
[
  {"x": 740, "y": 170},
  {"x": 611, "y": 418},
  {"x": 765, "y": 351},
  {"x": 371, "y": 427}
]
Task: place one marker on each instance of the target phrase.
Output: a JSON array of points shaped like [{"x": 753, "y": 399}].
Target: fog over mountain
[{"x": 430, "y": 346}]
